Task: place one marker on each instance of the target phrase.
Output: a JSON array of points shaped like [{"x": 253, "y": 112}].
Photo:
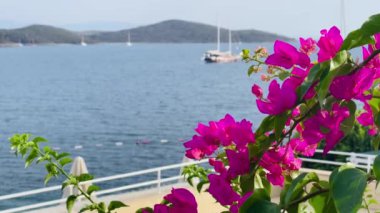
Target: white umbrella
[{"x": 78, "y": 168}]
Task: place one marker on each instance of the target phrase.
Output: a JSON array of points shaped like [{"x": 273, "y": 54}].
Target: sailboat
[
  {"x": 129, "y": 40},
  {"x": 217, "y": 56},
  {"x": 82, "y": 43}
]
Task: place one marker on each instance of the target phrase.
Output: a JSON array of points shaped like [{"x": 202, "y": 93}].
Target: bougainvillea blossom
[
  {"x": 326, "y": 125},
  {"x": 180, "y": 200},
  {"x": 308, "y": 45},
  {"x": 285, "y": 55},
  {"x": 222, "y": 190},
  {"x": 219, "y": 133},
  {"x": 279, "y": 161},
  {"x": 366, "y": 119},
  {"x": 279, "y": 99},
  {"x": 329, "y": 44},
  {"x": 352, "y": 86}
]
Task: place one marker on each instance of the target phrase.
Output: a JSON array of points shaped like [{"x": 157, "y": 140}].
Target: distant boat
[
  {"x": 82, "y": 42},
  {"x": 129, "y": 40},
  {"x": 217, "y": 56}
]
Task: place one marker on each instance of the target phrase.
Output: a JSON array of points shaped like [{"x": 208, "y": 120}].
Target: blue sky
[{"x": 289, "y": 17}]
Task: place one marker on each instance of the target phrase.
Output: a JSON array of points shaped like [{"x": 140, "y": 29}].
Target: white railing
[
  {"x": 158, "y": 182},
  {"x": 363, "y": 161}
]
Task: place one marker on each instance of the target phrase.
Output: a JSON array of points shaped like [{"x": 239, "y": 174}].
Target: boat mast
[
  {"x": 218, "y": 39},
  {"x": 229, "y": 41}
]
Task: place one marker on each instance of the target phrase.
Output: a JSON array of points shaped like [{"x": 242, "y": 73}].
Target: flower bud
[{"x": 257, "y": 91}]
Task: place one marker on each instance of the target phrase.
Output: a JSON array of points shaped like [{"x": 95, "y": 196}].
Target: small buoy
[
  {"x": 138, "y": 142},
  {"x": 164, "y": 141},
  {"x": 119, "y": 143},
  {"x": 78, "y": 147}
]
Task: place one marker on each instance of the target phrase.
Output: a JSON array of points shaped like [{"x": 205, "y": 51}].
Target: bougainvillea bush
[{"x": 307, "y": 102}]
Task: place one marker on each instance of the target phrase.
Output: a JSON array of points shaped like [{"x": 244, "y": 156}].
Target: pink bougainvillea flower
[
  {"x": 223, "y": 132},
  {"x": 257, "y": 91},
  {"x": 235, "y": 208},
  {"x": 222, "y": 190},
  {"x": 296, "y": 78},
  {"x": 325, "y": 125},
  {"x": 241, "y": 134},
  {"x": 182, "y": 200},
  {"x": 218, "y": 166},
  {"x": 278, "y": 161},
  {"x": 352, "y": 86},
  {"x": 159, "y": 208},
  {"x": 286, "y": 56},
  {"x": 301, "y": 147},
  {"x": 374, "y": 64},
  {"x": 238, "y": 162},
  {"x": 329, "y": 44},
  {"x": 308, "y": 45},
  {"x": 366, "y": 119},
  {"x": 279, "y": 99},
  {"x": 198, "y": 147}
]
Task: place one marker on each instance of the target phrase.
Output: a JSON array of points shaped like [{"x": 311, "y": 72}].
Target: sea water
[{"x": 121, "y": 108}]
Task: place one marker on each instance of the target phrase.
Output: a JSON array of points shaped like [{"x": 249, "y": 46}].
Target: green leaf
[
  {"x": 102, "y": 208},
  {"x": 363, "y": 35},
  {"x": 47, "y": 178},
  {"x": 201, "y": 184},
  {"x": 283, "y": 75},
  {"x": 146, "y": 209},
  {"x": 115, "y": 205},
  {"x": 295, "y": 189},
  {"x": 376, "y": 168},
  {"x": 62, "y": 155},
  {"x": 65, "y": 184},
  {"x": 329, "y": 74},
  {"x": 39, "y": 140},
  {"x": 32, "y": 156},
  {"x": 92, "y": 189},
  {"x": 266, "y": 125},
  {"x": 251, "y": 69},
  {"x": 259, "y": 202},
  {"x": 347, "y": 125},
  {"x": 279, "y": 124},
  {"x": 65, "y": 161},
  {"x": 87, "y": 208},
  {"x": 322, "y": 203},
  {"x": 315, "y": 73},
  {"x": 247, "y": 183},
  {"x": 70, "y": 202},
  {"x": 347, "y": 189},
  {"x": 376, "y": 142},
  {"x": 84, "y": 177}
]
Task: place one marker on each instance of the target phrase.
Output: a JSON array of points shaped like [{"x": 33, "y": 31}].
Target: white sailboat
[
  {"x": 217, "y": 56},
  {"x": 82, "y": 42},
  {"x": 129, "y": 40}
]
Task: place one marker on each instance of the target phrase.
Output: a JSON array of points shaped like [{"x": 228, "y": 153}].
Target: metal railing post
[
  {"x": 368, "y": 164},
  {"x": 159, "y": 181},
  {"x": 353, "y": 158}
]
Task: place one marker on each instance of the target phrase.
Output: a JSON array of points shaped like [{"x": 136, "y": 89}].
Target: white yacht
[{"x": 217, "y": 56}]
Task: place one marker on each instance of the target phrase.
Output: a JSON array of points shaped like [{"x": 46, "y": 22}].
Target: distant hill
[
  {"x": 178, "y": 31},
  {"x": 39, "y": 34},
  {"x": 171, "y": 31}
]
